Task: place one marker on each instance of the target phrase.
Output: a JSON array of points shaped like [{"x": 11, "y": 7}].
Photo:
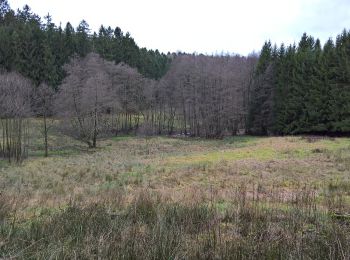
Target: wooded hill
[{"x": 39, "y": 49}]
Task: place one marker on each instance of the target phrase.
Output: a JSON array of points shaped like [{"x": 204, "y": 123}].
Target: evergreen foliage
[
  {"x": 303, "y": 89},
  {"x": 39, "y": 49}
]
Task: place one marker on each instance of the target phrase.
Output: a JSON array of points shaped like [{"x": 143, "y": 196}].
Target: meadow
[{"x": 178, "y": 198}]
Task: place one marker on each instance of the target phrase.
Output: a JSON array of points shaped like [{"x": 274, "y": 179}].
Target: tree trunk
[{"x": 45, "y": 137}]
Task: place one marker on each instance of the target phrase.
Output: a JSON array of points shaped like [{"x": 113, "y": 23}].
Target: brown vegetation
[{"x": 15, "y": 108}]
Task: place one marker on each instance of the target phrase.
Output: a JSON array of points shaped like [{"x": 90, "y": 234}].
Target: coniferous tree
[
  {"x": 260, "y": 108},
  {"x": 82, "y": 39},
  {"x": 309, "y": 86},
  {"x": 4, "y": 9}
]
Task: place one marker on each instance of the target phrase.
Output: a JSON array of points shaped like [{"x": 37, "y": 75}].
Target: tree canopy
[
  {"x": 38, "y": 48},
  {"x": 303, "y": 88}
]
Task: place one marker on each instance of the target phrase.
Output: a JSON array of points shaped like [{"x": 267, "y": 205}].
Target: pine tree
[
  {"x": 83, "y": 46},
  {"x": 340, "y": 91},
  {"x": 261, "y": 96},
  {"x": 4, "y": 9}
]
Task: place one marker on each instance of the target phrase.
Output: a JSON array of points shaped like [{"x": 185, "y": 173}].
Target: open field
[
  {"x": 275, "y": 197},
  {"x": 114, "y": 150}
]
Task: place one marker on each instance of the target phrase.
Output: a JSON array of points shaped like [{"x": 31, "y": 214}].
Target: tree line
[
  {"x": 33, "y": 64},
  {"x": 205, "y": 95},
  {"x": 199, "y": 95},
  {"x": 302, "y": 88},
  {"x": 38, "y": 49},
  {"x": 100, "y": 85}
]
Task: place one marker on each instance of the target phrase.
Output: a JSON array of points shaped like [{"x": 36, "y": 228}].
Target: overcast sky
[{"x": 235, "y": 26}]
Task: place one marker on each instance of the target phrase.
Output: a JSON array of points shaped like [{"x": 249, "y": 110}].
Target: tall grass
[
  {"x": 154, "y": 227},
  {"x": 130, "y": 201}
]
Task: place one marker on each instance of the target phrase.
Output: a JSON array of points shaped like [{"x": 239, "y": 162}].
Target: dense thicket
[
  {"x": 99, "y": 98},
  {"x": 39, "y": 49},
  {"x": 302, "y": 89},
  {"x": 15, "y": 109},
  {"x": 204, "y": 95},
  {"x": 199, "y": 96}
]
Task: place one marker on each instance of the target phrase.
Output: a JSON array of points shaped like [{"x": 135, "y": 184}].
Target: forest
[
  {"x": 102, "y": 84},
  {"x": 302, "y": 88}
]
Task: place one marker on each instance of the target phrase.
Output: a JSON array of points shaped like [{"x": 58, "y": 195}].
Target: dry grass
[
  {"x": 173, "y": 166},
  {"x": 233, "y": 190}
]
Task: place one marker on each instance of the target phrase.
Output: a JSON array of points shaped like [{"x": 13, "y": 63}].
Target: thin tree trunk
[{"x": 45, "y": 137}]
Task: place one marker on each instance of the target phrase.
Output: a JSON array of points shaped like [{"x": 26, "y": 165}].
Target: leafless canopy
[
  {"x": 199, "y": 96},
  {"x": 15, "y": 97},
  {"x": 95, "y": 96}
]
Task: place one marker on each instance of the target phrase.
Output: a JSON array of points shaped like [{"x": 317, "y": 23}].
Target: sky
[{"x": 203, "y": 26}]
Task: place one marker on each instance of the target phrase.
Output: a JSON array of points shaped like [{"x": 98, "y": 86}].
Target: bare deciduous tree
[
  {"x": 43, "y": 98},
  {"x": 15, "y": 92},
  {"x": 203, "y": 95},
  {"x": 199, "y": 96},
  {"x": 83, "y": 99}
]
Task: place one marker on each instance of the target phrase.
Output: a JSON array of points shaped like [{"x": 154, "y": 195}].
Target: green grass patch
[
  {"x": 337, "y": 143},
  {"x": 298, "y": 153},
  {"x": 241, "y": 141},
  {"x": 227, "y": 155},
  {"x": 122, "y": 137},
  {"x": 3, "y": 163}
]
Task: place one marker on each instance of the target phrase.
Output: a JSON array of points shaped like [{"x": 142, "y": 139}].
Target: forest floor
[{"x": 276, "y": 172}]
